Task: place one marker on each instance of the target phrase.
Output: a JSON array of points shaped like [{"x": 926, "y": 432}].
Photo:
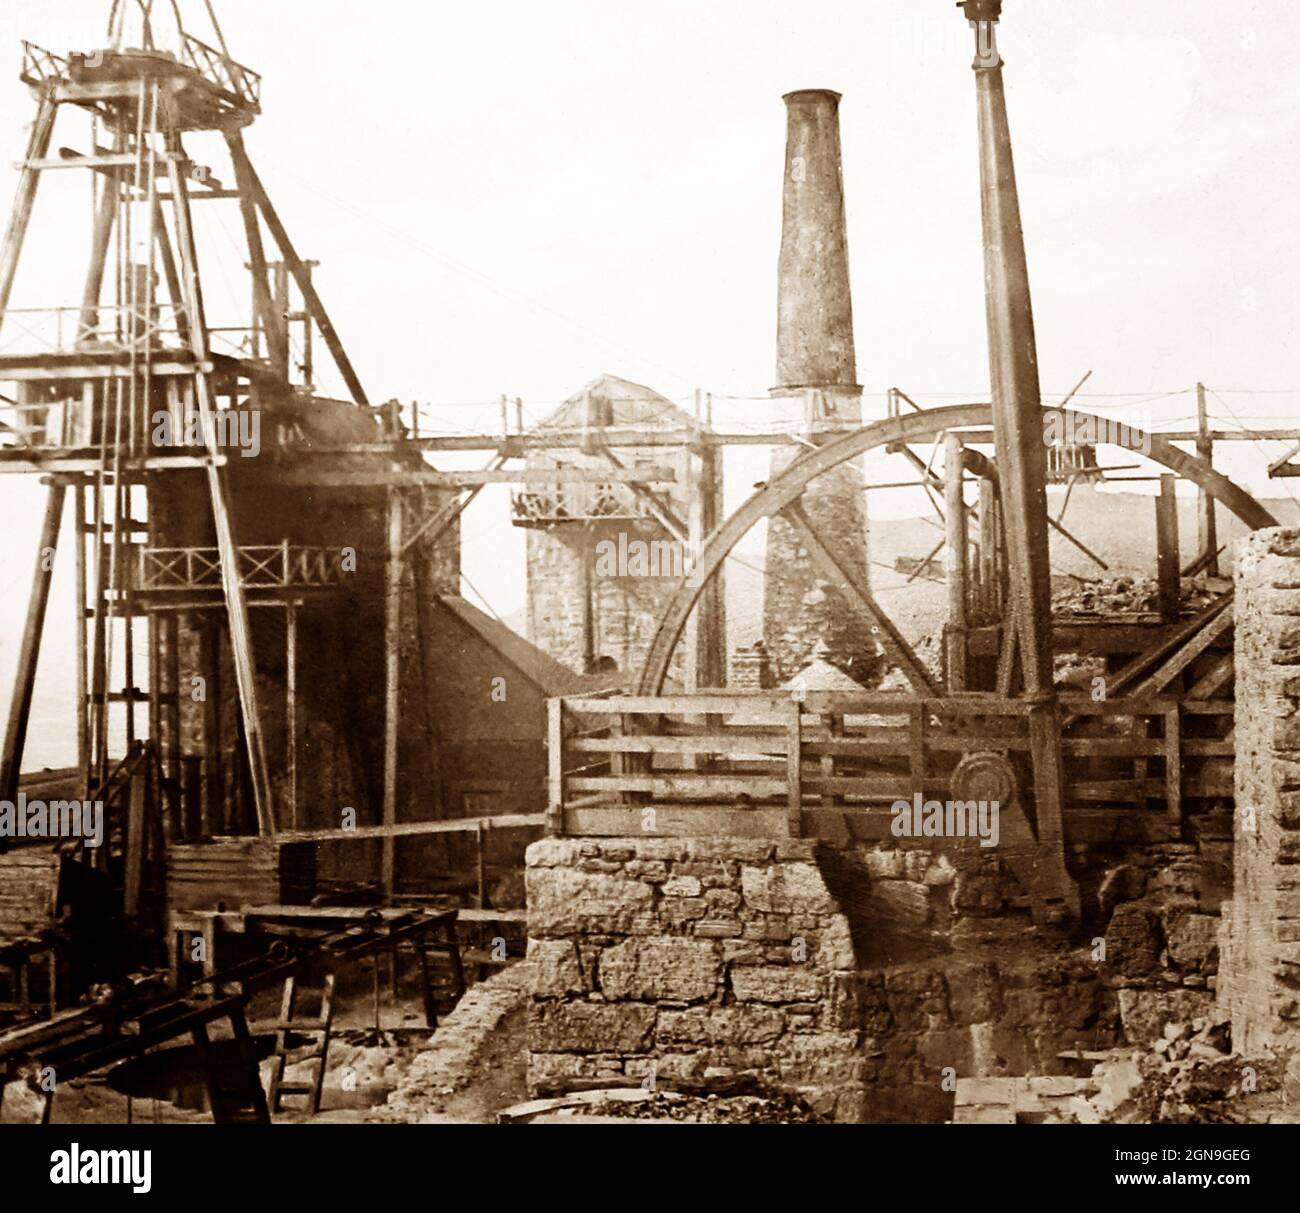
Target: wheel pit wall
[
  {"x": 1260, "y": 987},
  {"x": 865, "y": 980}
]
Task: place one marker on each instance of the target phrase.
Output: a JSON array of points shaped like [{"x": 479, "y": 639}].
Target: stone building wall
[
  {"x": 702, "y": 961},
  {"x": 921, "y": 966},
  {"x": 1260, "y": 986}
]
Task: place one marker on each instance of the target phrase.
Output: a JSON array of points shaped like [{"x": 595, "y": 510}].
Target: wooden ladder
[
  {"x": 234, "y": 1092},
  {"x": 287, "y": 1025}
]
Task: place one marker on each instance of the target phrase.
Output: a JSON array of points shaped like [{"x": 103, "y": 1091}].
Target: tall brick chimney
[{"x": 816, "y": 370}]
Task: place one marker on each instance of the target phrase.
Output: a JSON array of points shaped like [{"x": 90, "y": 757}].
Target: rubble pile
[
  {"x": 777, "y": 1109},
  {"x": 1113, "y": 596}
]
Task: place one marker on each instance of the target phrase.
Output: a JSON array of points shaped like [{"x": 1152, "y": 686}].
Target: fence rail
[{"x": 720, "y": 763}]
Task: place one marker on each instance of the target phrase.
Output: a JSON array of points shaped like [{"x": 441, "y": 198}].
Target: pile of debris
[
  {"x": 1109, "y": 597},
  {"x": 638, "y": 1103}
]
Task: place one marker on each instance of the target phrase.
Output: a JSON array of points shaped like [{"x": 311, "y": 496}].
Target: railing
[
  {"x": 576, "y": 503},
  {"x": 229, "y": 76},
  {"x": 261, "y": 566},
  {"x": 40, "y": 65},
  {"x": 114, "y": 329},
  {"x": 770, "y": 765},
  {"x": 239, "y": 82}
]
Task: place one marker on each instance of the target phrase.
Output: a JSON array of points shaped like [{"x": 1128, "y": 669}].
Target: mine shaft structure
[{"x": 124, "y": 397}]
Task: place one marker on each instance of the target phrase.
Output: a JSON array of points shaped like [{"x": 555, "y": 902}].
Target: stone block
[
  {"x": 681, "y": 886},
  {"x": 1144, "y": 1014},
  {"x": 556, "y": 970},
  {"x": 1192, "y": 940},
  {"x": 663, "y": 967},
  {"x": 1134, "y": 940},
  {"x": 589, "y": 1027},
  {"x": 785, "y": 888},
  {"x": 775, "y": 984},
  {"x": 563, "y": 901}
]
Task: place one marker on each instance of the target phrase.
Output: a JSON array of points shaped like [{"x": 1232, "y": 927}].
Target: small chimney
[{"x": 814, "y": 340}]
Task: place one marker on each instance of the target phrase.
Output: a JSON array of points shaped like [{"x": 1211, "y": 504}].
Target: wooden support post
[
  {"x": 212, "y": 812},
  {"x": 231, "y": 576},
  {"x": 291, "y": 708},
  {"x": 794, "y": 770},
  {"x": 706, "y": 627},
  {"x": 83, "y": 684},
  {"x": 300, "y": 273},
  {"x": 990, "y": 581},
  {"x": 137, "y": 840},
  {"x": 1168, "y": 566},
  {"x": 1022, "y": 468},
  {"x": 1207, "y": 536},
  {"x": 25, "y": 199},
  {"x": 105, "y": 217},
  {"x": 271, "y": 316},
  {"x": 392, "y": 683},
  {"x": 20, "y": 705},
  {"x": 555, "y": 767},
  {"x": 957, "y": 542}
]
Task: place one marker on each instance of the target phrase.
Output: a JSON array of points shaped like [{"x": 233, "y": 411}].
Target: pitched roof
[
  {"x": 629, "y": 404},
  {"x": 538, "y": 667}
]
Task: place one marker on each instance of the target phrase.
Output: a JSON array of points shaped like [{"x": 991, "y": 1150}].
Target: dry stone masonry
[
  {"x": 1260, "y": 980},
  {"x": 705, "y": 963}
]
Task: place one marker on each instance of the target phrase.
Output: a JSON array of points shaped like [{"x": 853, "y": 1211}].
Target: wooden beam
[
  {"x": 392, "y": 685},
  {"x": 1207, "y": 531},
  {"x": 1168, "y": 564},
  {"x": 958, "y": 547},
  {"x": 20, "y": 705},
  {"x": 473, "y": 478},
  {"x": 273, "y": 319},
  {"x": 25, "y": 199},
  {"x": 231, "y": 578},
  {"x": 849, "y": 583},
  {"x": 315, "y": 306},
  {"x": 1184, "y": 657},
  {"x": 555, "y": 767},
  {"x": 706, "y": 629}
]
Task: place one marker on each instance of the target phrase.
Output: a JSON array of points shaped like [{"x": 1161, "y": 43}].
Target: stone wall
[
  {"x": 1260, "y": 971},
  {"x": 920, "y": 965},
  {"x": 705, "y": 962}
]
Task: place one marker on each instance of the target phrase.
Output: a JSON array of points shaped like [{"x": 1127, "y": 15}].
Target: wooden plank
[
  {"x": 555, "y": 766},
  {"x": 1171, "y": 669},
  {"x": 684, "y": 784},
  {"x": 710, "y": 743},
  {"x": 402, "y": 829},
  {"x": 678, "y": 821},
  {"x": 1215, "y": 679},
  {"x": 20, "y": 704}
]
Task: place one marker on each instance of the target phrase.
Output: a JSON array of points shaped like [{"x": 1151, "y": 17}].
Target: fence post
[
  {"x": 555, "y": 767},
  {"x": 794, "y": 771}
]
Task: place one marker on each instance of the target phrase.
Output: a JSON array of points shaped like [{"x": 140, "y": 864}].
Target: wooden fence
[{"x": 772, "y": 766}]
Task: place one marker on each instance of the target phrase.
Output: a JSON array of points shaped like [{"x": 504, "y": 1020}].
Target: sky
[{"x": 514, "y": 198}]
